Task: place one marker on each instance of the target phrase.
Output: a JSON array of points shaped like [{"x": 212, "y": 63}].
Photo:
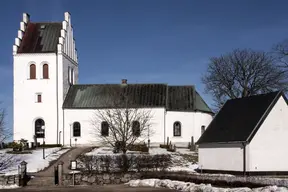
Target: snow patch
[
  {"x": 35, "y": 161},
  {"x": 9, "y": 186},
  {"x": 191, "y": 187}
]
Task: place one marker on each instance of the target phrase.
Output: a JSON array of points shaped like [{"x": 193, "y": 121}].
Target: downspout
[
  {"x": 165, "y": 112},
  {"x": 244, "y": 158},
  {"x": 63, "y": 126},
  {"x": 57, "y": 102}
]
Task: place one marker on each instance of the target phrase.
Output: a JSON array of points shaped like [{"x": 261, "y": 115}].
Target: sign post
[{"x": 73, "y": 167}]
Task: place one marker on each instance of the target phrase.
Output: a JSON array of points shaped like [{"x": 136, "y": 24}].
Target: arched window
[
  {"x": 32, "y": 71},
  {"x": 104, "y": 129},
  {"x": 202, "y": 129},
  {"x": 69, "y": 75},
  {"x": 177, "y": 128},
  {"x": 39, "y": 128},
  {"x": 72, "y": 76},
  {"x": 136, "y": 128},
  {"x": 45, "y": 71},
  {"x": 76, "y": 129}
]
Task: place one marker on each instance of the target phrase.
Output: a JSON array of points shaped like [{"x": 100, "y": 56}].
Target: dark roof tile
[
  {"x": 239, "y": 119},
  {"x": 180, "y": 98},
  {"x": 40, "y": 38}
]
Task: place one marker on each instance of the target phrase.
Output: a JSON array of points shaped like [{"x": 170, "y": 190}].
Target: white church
[{"x": 50, "y": 104}]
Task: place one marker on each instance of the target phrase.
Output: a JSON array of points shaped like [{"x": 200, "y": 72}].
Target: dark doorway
[{"x": 39, "y": 132}]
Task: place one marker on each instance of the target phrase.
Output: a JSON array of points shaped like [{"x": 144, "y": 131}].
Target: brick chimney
[{"x": 124, "y": 81}]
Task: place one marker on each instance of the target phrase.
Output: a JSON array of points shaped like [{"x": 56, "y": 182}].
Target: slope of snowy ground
[
  {"x": 182, "y": 159},
  {"x": 191, "y": 187},
  {"x": 35, "y": 161}
]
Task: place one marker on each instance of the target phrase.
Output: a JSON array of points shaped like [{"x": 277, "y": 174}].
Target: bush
[
  {"x": 51, "y": 145},
  {"x": 139, "y": 147},
  {"x": 16, "y": 146},
  {"x": 164, "y": 146},
  {"x": 171, "y": 150},
  {"x": 125, "y": 163},
  {"x": 19, "y": 152}
]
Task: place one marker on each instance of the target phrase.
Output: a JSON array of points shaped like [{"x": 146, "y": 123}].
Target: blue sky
[{"x": 147, "y": 41}]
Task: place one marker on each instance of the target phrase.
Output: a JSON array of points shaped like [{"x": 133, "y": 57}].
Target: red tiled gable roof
[{"x": 40, "y": 38}]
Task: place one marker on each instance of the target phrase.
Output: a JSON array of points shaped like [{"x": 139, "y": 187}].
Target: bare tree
[
  {"x": 281, "y": 53},
  {"x": 6, "y": 160},
  {"x": 121, "y": 122},
  {"x": 242, "y": 73}
]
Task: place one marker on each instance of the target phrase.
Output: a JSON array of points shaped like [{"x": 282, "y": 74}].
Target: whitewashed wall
[
  {"x": 26, "y": 110},
  {"x": 228, "y": 157},
  {"x": 85, "y": 118},
  {"x": 268, "y": 149},
  {"x": 191, "y": 123}
]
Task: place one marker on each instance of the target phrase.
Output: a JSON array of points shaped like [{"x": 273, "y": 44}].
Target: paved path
[
  {"x": 107, "y": 188},
  {"x": 66, "y": 158}
]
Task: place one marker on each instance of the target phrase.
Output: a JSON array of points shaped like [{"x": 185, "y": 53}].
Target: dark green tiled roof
[
  {"x": 40, "y": 38},
  {"x": 173, "y": 98}
]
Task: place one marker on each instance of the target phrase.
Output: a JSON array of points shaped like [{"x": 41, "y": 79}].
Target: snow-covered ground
[
  {"x": 9, "y": 186},
  {"x": 182, "y": 159},
  {"x": 191, "y": 187},
  {"x": 35, "y": 161}
]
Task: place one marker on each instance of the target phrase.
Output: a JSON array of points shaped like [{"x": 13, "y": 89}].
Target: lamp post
[{"x": 43, "y": 129}]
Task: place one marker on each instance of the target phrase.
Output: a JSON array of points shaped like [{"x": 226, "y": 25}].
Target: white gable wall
[
  {"x": 191, "y": 123},
  {"x": 85, "y": 118},
  {"x": 268, "y": 148},
  {"x": 227, "y": 157},
  {"x": 25, "y": 109}
]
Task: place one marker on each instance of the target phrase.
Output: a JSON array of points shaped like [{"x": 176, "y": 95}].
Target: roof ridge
[
  {"x": 47, "y": 22},
  {"x": 256, "y": 95},
  {"x": 90, "y": 84}
]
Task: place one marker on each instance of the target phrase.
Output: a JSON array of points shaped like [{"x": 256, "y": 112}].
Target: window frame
[
  {"x": 104, "y": 123},
  {"x": 76, "y": 128},
  {"x": 136, "y": 133},
  {"x": 34, "y": 74},
  {"x": 45, "y": 75},
  {"x": 175, "y": 134}
]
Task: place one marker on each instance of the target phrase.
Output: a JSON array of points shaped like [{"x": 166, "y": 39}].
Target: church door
[{"x": 39, "y": 131}]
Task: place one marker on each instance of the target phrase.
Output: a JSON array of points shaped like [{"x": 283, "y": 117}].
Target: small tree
[
  {"x": 242, "y": 73},
  {"x": 122, "y": 121}
]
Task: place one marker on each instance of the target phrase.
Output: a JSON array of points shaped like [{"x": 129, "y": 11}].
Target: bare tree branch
[
  {"x": 6, "y": 160},
  {"x": 281, "y": 53},
  {"x": 128, "y": 123},
  {"x": 242, "y": 73}
]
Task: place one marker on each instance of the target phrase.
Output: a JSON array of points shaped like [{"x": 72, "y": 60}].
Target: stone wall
[
  {"x": 9, "y": 180},
  {"x": 216, "y": 180},
  {"x": 100, "y": 178}
]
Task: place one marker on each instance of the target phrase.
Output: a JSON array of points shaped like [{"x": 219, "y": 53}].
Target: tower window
[
  {"x": 45, "y": 71},
  {"x": 32, "y": 71},
  {"x": 38, "y": 98}
]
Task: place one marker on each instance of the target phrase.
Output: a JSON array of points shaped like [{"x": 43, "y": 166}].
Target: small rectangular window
[{"x": 38, "y": 98}]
